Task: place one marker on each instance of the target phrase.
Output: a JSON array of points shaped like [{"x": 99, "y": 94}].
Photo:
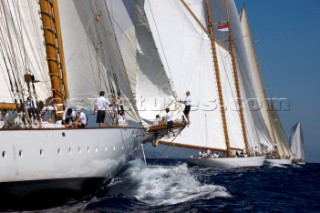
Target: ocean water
[{"x": 168, "y": 185}]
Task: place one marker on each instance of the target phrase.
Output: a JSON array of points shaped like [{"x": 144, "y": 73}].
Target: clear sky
[{"x": 288, "y": 48}]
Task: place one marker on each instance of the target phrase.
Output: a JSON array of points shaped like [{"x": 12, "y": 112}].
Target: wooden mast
[
  {"x": 217, "y": 72},
  {"x": 52, "y": 35},
  {"x": 235, "y": 74}
]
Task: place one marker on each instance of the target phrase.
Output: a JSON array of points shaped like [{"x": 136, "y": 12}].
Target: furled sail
[
  {"x": 186, "y": 49},
  {"x": 149, "y": 82},
  {"x": 22, "y": 51},
  {"x": 92, "y": 56},
  {"x": 296, "y": 141}
]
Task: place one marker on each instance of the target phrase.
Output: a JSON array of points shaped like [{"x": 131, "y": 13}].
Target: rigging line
[
  {"x": 18, "y": 28},
  {"x": 104, "y": 75},
  {"x": 42, "y": 61},
  {"x": 231, "y": 85},
  {"x": 167, "y": 146},
  {"x": 162, "y": 48},
  {"x": 73, "y": 53},
  {"x": 19, "y": 21},
  {"x": 123, "y": 68},
  {"x": 100, "y": 30},
  {"x": 194, "y": 70},
  {"x": 16, "y": 79},
  {"x": 8, "y": 72},
  {"x": 97, "y": 61}
]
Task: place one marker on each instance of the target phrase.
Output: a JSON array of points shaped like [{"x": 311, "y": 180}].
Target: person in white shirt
[
  {"x": 81, "y": 120},
  {"x": 68, "y": 117},
  {"x": 169, "y": 122},
  {"x": 187, "y": 102},
  {"x": 101, "y": 106},
  {"x": 157, "y": 121}
]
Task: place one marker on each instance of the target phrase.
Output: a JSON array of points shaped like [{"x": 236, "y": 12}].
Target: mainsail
[{"x": 186, "y": 49}]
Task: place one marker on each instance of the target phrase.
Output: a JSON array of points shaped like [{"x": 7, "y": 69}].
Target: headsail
[
  {"x": 148, "y": 80},
  {"x": 92, "y": 55}
]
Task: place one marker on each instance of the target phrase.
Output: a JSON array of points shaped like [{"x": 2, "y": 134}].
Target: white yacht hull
[
  {"x": 56, "y": 154},
  {"x": 279, "y": 161},
  {"x": 227, "y": 162}
]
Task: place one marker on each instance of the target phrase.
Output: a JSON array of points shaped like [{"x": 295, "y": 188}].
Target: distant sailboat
[
  {"x": 80, "y": 57},
  {"x": 209, "y": 69},
  {"x": 277, "y": 140},
  {"x": 297, "y": 144}
]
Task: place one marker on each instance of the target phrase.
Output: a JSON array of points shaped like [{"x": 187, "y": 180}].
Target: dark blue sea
[{"x": 168, "y": 185}]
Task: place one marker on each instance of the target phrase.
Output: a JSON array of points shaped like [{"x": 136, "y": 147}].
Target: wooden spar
[
  {"x": 195, "y": 147},
  {"x": 194, "y": 16},
  {"x": 49, "y": 23},
  {"x": 236, "y": 79},
  {"x": 8, "y": 106},
  {"x": 201, "y": 25},
  {"x": 60, "y": 45},
  {"x": 189, "y": 146},
  {"x": 217, "y": 72}
]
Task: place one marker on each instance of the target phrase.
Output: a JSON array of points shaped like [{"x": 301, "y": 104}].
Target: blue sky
[{"x": 288, "y": 48}]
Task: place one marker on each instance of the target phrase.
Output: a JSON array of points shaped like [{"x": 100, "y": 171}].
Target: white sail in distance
[{"x": 296, "y": 142}]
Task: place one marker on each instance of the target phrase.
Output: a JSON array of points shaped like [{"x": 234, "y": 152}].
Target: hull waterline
[
  {"x": 227, "y": 162},
  {"x": 279, "y": 161}
]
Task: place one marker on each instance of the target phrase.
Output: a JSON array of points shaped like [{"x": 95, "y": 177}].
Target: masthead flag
[{"x": 223, "y": 28}]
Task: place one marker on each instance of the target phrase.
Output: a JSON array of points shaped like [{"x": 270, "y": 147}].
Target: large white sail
[
  {"x": 254, "y": 68},
  {"x": 22, "y": 51},
  {"x": 149, "y": 81},
  {"x": 296, "y": 142},
  {"x": 186, "y": 49},
  {"x": 270, "y": 118},
  {"x": 245, "y": 71},
  {"x": 92, "y": 55}
]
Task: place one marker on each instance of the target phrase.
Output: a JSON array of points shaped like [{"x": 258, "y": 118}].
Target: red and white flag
[{"x": 224, "y": 27}]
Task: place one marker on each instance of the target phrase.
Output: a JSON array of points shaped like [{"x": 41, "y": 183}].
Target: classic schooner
[
  {"x": 213, "y": 66},
  {"x": 81, "y": 56}
]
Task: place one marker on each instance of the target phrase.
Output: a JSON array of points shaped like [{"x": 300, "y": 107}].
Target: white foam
[{"x": 167, "y": 185}]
